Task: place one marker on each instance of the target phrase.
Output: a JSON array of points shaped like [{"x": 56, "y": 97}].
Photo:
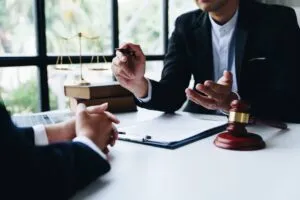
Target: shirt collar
[{"x": 224, "y": 29}]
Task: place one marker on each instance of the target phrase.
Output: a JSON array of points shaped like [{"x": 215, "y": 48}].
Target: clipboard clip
[{"x": 147, "y": 138}]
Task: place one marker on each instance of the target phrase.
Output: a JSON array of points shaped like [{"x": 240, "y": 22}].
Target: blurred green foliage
[
  {"x": 139, "y": 22},
  {"x": 24, "y": 99}
]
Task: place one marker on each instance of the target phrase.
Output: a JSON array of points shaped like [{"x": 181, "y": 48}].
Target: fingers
[
  {"x": 121, "y": 69},
  {"x": 112, "y": 139},
  {"x": 114, "y": 136},
  {"x": 219, "y": 97},
  {"x": 81, "y": 108},
  {"x": 102, "y": 109},
  {"x": 112, "y": 117},
  {"x": 116, "y": 133},
  {"x": 199, "y": 99},
  {"x": 216, "y": 95},
  {"x": 124, "y": 45},
  {"x": 97, "y": 109},
  {"x": 127, "y": 67},
  {"x": 217, "y": 88},
  {"x": 208, "y": 91},
  {"x": 227, "y": 75},
  {"x": 121, "y": 56},
  {"x": 135, "y": 47},
  {"x": 226, "y": 79},
  {"x": 105, "y": 150}
]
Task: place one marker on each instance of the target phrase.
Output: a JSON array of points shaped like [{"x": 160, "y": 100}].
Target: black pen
[{"x": 126, "y": 52}]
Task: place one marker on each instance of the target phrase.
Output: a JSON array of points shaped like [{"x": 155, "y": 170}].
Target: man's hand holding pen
[{"x": 129, "y": 69}]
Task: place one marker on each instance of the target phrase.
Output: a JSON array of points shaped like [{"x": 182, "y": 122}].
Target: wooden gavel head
[{"x": 236, "y": 136}]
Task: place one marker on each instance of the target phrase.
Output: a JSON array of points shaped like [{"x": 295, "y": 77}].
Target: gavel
[{"x": 236, "y": 136}]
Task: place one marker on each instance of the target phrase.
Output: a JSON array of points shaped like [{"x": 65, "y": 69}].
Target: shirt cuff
[
  {"x": 89, "y": 143},
  {"x": 149, "y": 95},
  {"x": 40, "y": 135},
  {"x": 239, "y": 98}
]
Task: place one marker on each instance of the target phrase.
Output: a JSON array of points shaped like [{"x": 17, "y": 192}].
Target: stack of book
[{"x": 118, "y": 98}]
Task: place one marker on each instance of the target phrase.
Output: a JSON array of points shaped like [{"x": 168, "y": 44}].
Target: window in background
[
  {"x": 58, "y": 75},
  {"x": 141, "y": 22},
  {"x": 17, "y": 29},
  {"x": 154, "y": 69},
  {"x": 178, "y": 7},
  {"x": 19, "y": 89},
  {"x": 297, "y": 10},
  {"x": 66, "y": 18}
]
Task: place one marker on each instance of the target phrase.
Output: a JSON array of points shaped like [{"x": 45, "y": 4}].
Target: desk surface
[{"x": 200, "y": 170}]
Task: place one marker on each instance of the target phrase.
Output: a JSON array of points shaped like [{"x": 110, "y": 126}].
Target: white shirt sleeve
[
  {"x": 149, "y": 95},
  {"x": 40, "y": 135},
  {"x": 89, "y": 143}
]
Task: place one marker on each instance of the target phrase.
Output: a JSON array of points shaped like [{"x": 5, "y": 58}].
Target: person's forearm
[
  {"x": 51, "y": 131},
  {"x": 140, "y": 88},
  {"x": 55, "y": 132},
  {"x": 148, "y": 97}
]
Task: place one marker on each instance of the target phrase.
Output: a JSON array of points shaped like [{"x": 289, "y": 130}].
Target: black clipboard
[{"x": 177, "y": 144}]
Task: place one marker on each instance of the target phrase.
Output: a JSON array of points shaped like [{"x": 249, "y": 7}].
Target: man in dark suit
[
  {"x": 233, "y": 49},
  {"x": 74, "y": 157}
]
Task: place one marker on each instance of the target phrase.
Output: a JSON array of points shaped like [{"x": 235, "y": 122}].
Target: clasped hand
[{"x": 93, "y": 122}]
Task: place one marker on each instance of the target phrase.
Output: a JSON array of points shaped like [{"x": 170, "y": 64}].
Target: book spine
[
  {"x": 96, "y": 92},
  {"x": 115, "y": 104}
]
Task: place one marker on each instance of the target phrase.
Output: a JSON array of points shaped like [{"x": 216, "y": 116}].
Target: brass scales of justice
[{"x": 80, "y": 35}]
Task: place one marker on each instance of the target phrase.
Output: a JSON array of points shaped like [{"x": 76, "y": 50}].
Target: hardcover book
[{"x": 96, "y": 91}]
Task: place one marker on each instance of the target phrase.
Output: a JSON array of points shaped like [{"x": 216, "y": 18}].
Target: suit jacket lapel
[
  {"x": 203, "y": 47},
  {"x": 241, "y": 38},
  {"x": 242, "y": 30},
  {"x": 203, "y": 42}
]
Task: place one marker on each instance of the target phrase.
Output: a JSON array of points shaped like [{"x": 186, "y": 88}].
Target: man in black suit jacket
[
  {"x": 66, "y": 165},
  {"x": 262, "y": 62}
]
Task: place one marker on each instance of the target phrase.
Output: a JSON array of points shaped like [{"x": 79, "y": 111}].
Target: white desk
[{"x": 200, "y": 170}]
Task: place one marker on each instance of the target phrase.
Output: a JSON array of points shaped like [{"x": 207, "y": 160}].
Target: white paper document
[{"x": 168, "y": 128}]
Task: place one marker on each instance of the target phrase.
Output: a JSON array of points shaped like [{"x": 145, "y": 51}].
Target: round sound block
[{"x": 249, "y": 141}]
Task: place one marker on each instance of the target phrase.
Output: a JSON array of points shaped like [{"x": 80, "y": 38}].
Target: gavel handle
[{"x": 272, "y": 123}]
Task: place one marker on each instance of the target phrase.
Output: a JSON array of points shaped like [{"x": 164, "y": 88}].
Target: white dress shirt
[
  {"x": 223, "y": 43},
  {"x": 40, "y": 138}
]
